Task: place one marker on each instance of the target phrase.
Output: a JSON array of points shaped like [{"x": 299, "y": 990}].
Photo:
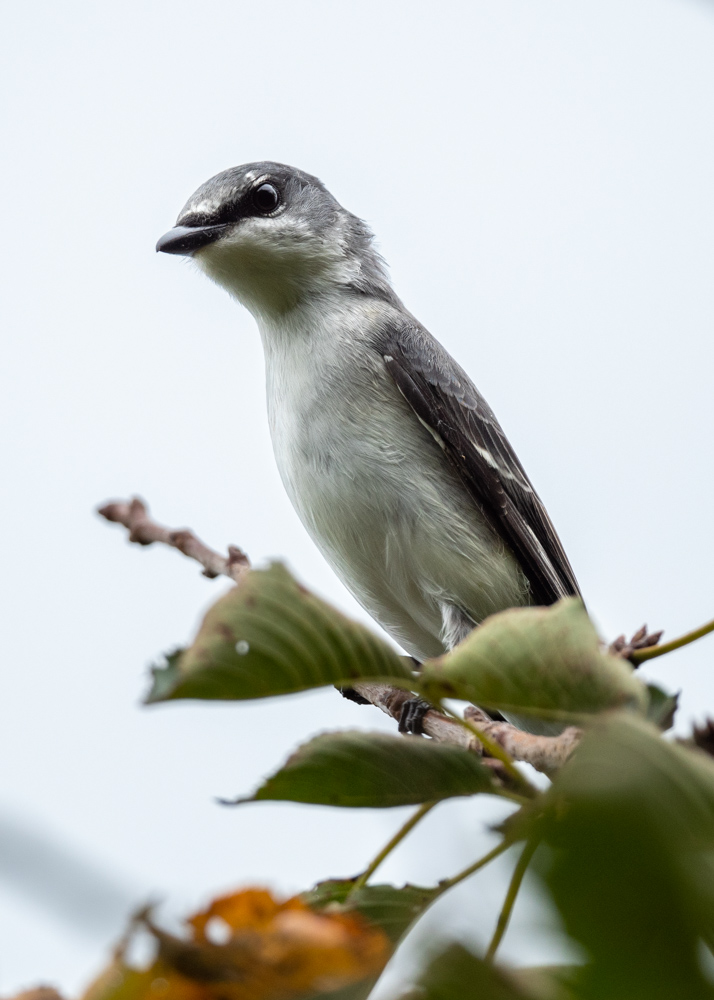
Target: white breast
[{"x": 372, "y": 486}]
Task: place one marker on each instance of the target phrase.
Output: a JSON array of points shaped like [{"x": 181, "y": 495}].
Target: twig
[
  {"x": 389, "y": 847},
  {"x": 134, "y": 515},
  {"x": 509, "y": 902},
  {"x": 545, "y": 753}
]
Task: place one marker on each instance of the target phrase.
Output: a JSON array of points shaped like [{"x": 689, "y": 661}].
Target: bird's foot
[
  {"x": 642, "y": 639},
  {"x": 412, "y": 716}
]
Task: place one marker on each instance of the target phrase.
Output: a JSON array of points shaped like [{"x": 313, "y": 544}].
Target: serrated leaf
[
  {"x": 269, "y": 635},
  {"x": 629, "y": 823},
  {"x": 358, "y": 769},
  {"x": 543, "y": 662},
  {"x": 393, "y": 910}
]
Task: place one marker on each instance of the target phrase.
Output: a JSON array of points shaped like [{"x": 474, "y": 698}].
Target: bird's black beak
[{"x": 185, "y": 240}]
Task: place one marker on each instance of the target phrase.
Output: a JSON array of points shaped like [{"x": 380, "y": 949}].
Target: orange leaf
[
  {"x": 268, "y": 950},
  {"x": 250, "y": 909}
]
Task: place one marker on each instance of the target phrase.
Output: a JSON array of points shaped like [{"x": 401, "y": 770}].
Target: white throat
[{"x": 272, "y": 270}]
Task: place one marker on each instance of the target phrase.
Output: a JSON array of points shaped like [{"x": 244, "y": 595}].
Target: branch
[
  {"x": 134, "y": 515},
  {"x": 439, "y": 727},
  {"x": 545, "y": 753}
]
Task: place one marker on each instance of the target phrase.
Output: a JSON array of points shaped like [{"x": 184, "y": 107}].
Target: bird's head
[{"x": 273, "y": 236}]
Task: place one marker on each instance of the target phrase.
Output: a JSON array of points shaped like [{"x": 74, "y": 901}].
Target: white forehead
[{"x": 205, "y": 206}]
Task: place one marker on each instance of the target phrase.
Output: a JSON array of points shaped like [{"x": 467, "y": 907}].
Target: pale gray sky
[{"x": 539, "y": 176}]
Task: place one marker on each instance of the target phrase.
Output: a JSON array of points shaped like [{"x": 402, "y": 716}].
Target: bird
[{"x": 393, "y": 460}]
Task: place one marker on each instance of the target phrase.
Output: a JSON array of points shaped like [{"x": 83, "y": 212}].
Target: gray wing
[{"x": 447, "y": 402}]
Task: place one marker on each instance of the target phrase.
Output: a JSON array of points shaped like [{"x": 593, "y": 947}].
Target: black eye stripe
[
  {"x": 196, "y": 219},
  {"x": 257, "y": 201}
]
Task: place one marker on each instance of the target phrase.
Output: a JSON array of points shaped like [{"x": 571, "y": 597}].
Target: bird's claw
[{"x": 412, "y": 715}]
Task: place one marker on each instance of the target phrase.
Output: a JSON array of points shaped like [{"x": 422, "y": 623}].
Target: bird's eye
[{"x": 266, "y": 198}]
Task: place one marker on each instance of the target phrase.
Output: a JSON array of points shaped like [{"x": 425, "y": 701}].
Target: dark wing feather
[{"x": 444, "y": 398}]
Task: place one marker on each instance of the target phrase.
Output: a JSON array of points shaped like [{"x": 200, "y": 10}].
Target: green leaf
[
  {"x": 166, "y": 677},
  {"x": 357, "y": 991},
  {"x": 359, "y": 769},
  {"x": 546, "y": 982},
  {"x": 544, "y": 662},
  {"x": 269, "y": 635},
  {"x": 629, "y": 829},
  {"x": 457, "y": 974},
  {"x": 392, "y": 909},
  {"x": 662, "y": 707}
]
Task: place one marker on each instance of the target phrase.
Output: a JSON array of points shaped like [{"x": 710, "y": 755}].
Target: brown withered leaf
[
  {"x": 120, "y": 982},
  {"x": 251, "y": 946},
  {"x": 703, "y": 736},
  {"x": 39, "y": 993}
]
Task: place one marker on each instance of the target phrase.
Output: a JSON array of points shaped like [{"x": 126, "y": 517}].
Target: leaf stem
[
  {"x": 494, "y": 750},
  {"x": 449, "y": 883},
  {"x": 640, "y": 655},
  {"x": 507, "y": 908},
  {"x": 389, "y": 847}
]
